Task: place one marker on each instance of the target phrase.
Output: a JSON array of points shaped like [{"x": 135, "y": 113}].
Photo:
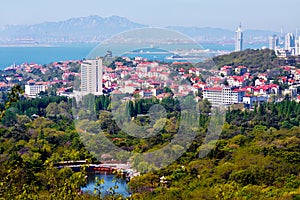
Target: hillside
[{"x": 256, "y": 60}]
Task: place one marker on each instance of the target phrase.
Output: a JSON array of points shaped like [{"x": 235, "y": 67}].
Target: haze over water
[{"x": 46, "y": 55}]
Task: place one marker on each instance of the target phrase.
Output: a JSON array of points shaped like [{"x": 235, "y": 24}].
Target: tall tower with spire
[{"x": 239, "y": 39}]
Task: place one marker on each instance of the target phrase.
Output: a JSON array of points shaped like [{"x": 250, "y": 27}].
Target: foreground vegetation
[
  {"x": 257, "y": 156},
  {"x": 261, "y": 165}
]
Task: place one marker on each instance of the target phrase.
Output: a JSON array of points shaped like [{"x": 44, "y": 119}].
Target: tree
[
  {"x": 9, "y": 119},
  {"x": 52, "y": 110},
  {"x": 168, "y": 90},
  {"x": 205, "y": 107},
  {"x": 13, "y": 96}
]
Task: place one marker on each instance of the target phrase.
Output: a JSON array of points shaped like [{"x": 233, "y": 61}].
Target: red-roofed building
[
  {"x": 236, "y": 81},
  {"x": 124, "y": 74},
  {"x": 117, "y": 64},
  {"x": 130, "y": 88},
  {"x": 214, "y": 81},
  {"x": 185, "y": 89},
  {"x": 5, "y": 85},
  {"x": 266, "y": 89},
  {"x": 163, "y": 95},
  {"x": 195, "y": 71},
  {"x": 297, "y": 75},
  {"x": 247, "y": 75},
  {"x": 263, "y": 76},
  {"x": 181, "y": 71},
  {"x": 291, "y": 81},
  {"x": 226, "y": 70},
  {"x": 31, "y": 81},
  {"x": 287, "y": 69},
  {"x": 259, "y": 82},
  {"x": 200, "y": 86},
  {"x": 195, "y": 80},
  {"x": 298, "y": 99},
  {"x": 185, "y": 76}
]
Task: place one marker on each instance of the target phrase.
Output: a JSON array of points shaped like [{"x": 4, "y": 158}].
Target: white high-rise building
[
  {"x": 273, "y": 42},
  {"x": 297, "y": 47},
  {"x": 239, "y": 39},
  {"x": 289, "y": 42},
  {"x": 91, "y": 77}
]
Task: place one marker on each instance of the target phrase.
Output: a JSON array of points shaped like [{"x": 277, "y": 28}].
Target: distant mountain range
[
  {"x": 95, "y": 29},
  {"x": 84, "y": 29}
]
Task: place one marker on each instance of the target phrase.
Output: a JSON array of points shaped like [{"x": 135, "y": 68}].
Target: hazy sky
[{"x": 254, "y": 14}]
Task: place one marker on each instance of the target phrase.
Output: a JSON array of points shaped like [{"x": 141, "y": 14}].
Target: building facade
[
  {"x": 219, "y": 96},
  {"x": 297, "y": 48},
  {"x": 249, "y": 101},
  {"x": 289, "y": 42},
  {"x": 239, "y": 39},
  {"x": 91, "y": 77},
  {"x": 32, "y": 90},
  {"x": 273, "y": 42}
]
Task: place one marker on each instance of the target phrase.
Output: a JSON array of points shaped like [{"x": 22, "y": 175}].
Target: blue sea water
[
  {"x": 40, "y": 55},
  {"x": 46, "y": 55}
]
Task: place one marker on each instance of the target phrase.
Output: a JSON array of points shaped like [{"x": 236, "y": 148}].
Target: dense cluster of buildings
[
  {"x": 146, "y": 79},
  {"x": 285, "y": 46},
  {"x": 248, "y": 89},
  {"x": 226, "y": 86},
  {"x": 34, "y": 86}
]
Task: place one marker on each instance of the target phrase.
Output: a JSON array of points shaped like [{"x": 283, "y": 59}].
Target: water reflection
[{"x": 108, "y": 183}]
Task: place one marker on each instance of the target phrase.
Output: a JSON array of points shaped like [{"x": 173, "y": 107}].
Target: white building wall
[
  {"x": 226, "y": 96},
  {"x": 297, "y": 48},
  {"x": 239, "y": 39},
  {"x": 91, "y": 77},
  {"x": 34, "y": 90}
]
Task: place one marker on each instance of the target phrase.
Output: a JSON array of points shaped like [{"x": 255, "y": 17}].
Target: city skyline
[{"x": 268, "y": 15}]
